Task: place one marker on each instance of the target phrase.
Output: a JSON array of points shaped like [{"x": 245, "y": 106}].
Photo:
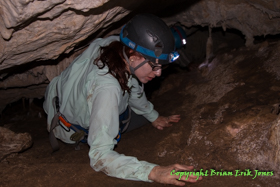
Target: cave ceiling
[{"x": 39, "y": 38}]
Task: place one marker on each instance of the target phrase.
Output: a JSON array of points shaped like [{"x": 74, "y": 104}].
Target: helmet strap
[
  {"x": 128, "y": 61},
  {"x": 141, "y": 64},
  {"x": 132, "y": 70}
]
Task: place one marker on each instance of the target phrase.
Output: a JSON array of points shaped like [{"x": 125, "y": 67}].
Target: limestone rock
[
  {"x": 36, "y": 35},
  {"x": 275, "y": 141},
  {"x": 252, "y": 18},
  {"x": 232, "y": 109},
  {"x": 11, "y": 142}
]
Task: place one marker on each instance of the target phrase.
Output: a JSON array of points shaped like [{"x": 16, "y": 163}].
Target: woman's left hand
[{"x": 162, "y": 121}]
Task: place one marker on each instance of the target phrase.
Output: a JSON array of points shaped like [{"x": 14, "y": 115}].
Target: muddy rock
[
  {"x": 11, "y": 142},
  {"x": 232, "y": 107}
]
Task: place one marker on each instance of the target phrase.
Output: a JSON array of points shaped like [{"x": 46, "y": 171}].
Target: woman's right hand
[{"x": 164, "y": 175}]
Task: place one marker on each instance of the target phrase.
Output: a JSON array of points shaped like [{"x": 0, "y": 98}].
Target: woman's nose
[{"x": 157, "y": 73}]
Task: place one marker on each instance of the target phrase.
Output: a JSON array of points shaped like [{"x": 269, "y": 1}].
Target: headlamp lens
[{"x": 173, "y": 56}]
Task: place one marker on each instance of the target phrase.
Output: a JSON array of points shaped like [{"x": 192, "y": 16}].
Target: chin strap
[
  {"x": 141, "y": 64},
  {"x": 132, "y": 70},
  {"x": 128, "y": 61}
]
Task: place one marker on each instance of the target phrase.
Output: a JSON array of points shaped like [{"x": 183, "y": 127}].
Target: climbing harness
[{"x": 81, "y": 133}]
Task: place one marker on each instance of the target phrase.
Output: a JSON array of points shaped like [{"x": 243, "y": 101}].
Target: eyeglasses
[{"x": 155, "y": 67}]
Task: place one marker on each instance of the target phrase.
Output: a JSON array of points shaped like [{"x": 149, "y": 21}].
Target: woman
[{"x": 101, "y": 83}]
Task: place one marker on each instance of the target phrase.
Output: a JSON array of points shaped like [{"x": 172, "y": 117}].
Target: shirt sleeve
[
  {"x": 104, "y": 127},
  {"x": 139, "y": 103}
]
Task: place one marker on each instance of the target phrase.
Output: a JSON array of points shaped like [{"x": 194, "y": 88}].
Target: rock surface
[
  {"x": 11, "y": 142},
  {"x": 43, "y": 30},
  {"x": 37, "y": 35},
  {"x": 229, "y": 121},
  {"x": 252, "y": 18},
  {"x": 232, "y": 108}
]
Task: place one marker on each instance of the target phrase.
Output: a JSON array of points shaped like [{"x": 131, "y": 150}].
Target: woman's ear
[{"x": 131, "y": 59}]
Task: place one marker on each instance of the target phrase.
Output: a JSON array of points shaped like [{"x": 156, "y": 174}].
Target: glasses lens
[{"x": 154, "y": 67}]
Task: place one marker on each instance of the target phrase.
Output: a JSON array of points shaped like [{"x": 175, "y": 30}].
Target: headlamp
[
  {"x": 179, "y": 36},
  {"x": 173, "y": 56}
]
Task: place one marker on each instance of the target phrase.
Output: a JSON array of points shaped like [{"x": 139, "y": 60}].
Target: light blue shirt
[{"x": 93, "y": 98}]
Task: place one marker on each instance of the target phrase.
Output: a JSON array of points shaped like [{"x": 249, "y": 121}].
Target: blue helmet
[{"x": 150, "y": 36}]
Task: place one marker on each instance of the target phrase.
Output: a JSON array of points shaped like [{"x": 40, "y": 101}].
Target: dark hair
[{"x": 112, "y": 56}]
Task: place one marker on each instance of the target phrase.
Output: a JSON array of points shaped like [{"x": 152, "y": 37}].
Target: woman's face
[{"x": 145, "y": 72}]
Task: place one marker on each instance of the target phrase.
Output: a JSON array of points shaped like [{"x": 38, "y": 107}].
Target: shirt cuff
[
  {"x": 152, "y": 116},
  {"x": 144, "y": 171}
]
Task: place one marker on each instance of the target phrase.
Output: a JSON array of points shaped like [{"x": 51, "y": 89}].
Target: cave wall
[
  {"x": 40, "y": 38},
  {"x": 251, "y": 17},
  {"x": 42, "y": 30}
]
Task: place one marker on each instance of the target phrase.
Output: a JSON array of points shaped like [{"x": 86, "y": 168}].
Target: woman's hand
[
  {"x": 162, "y": 122},
  {"x": 166, "y": 175}
]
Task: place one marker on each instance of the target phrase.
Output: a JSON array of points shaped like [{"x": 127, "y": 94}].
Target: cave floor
[{"x": 68, "y": 167}]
